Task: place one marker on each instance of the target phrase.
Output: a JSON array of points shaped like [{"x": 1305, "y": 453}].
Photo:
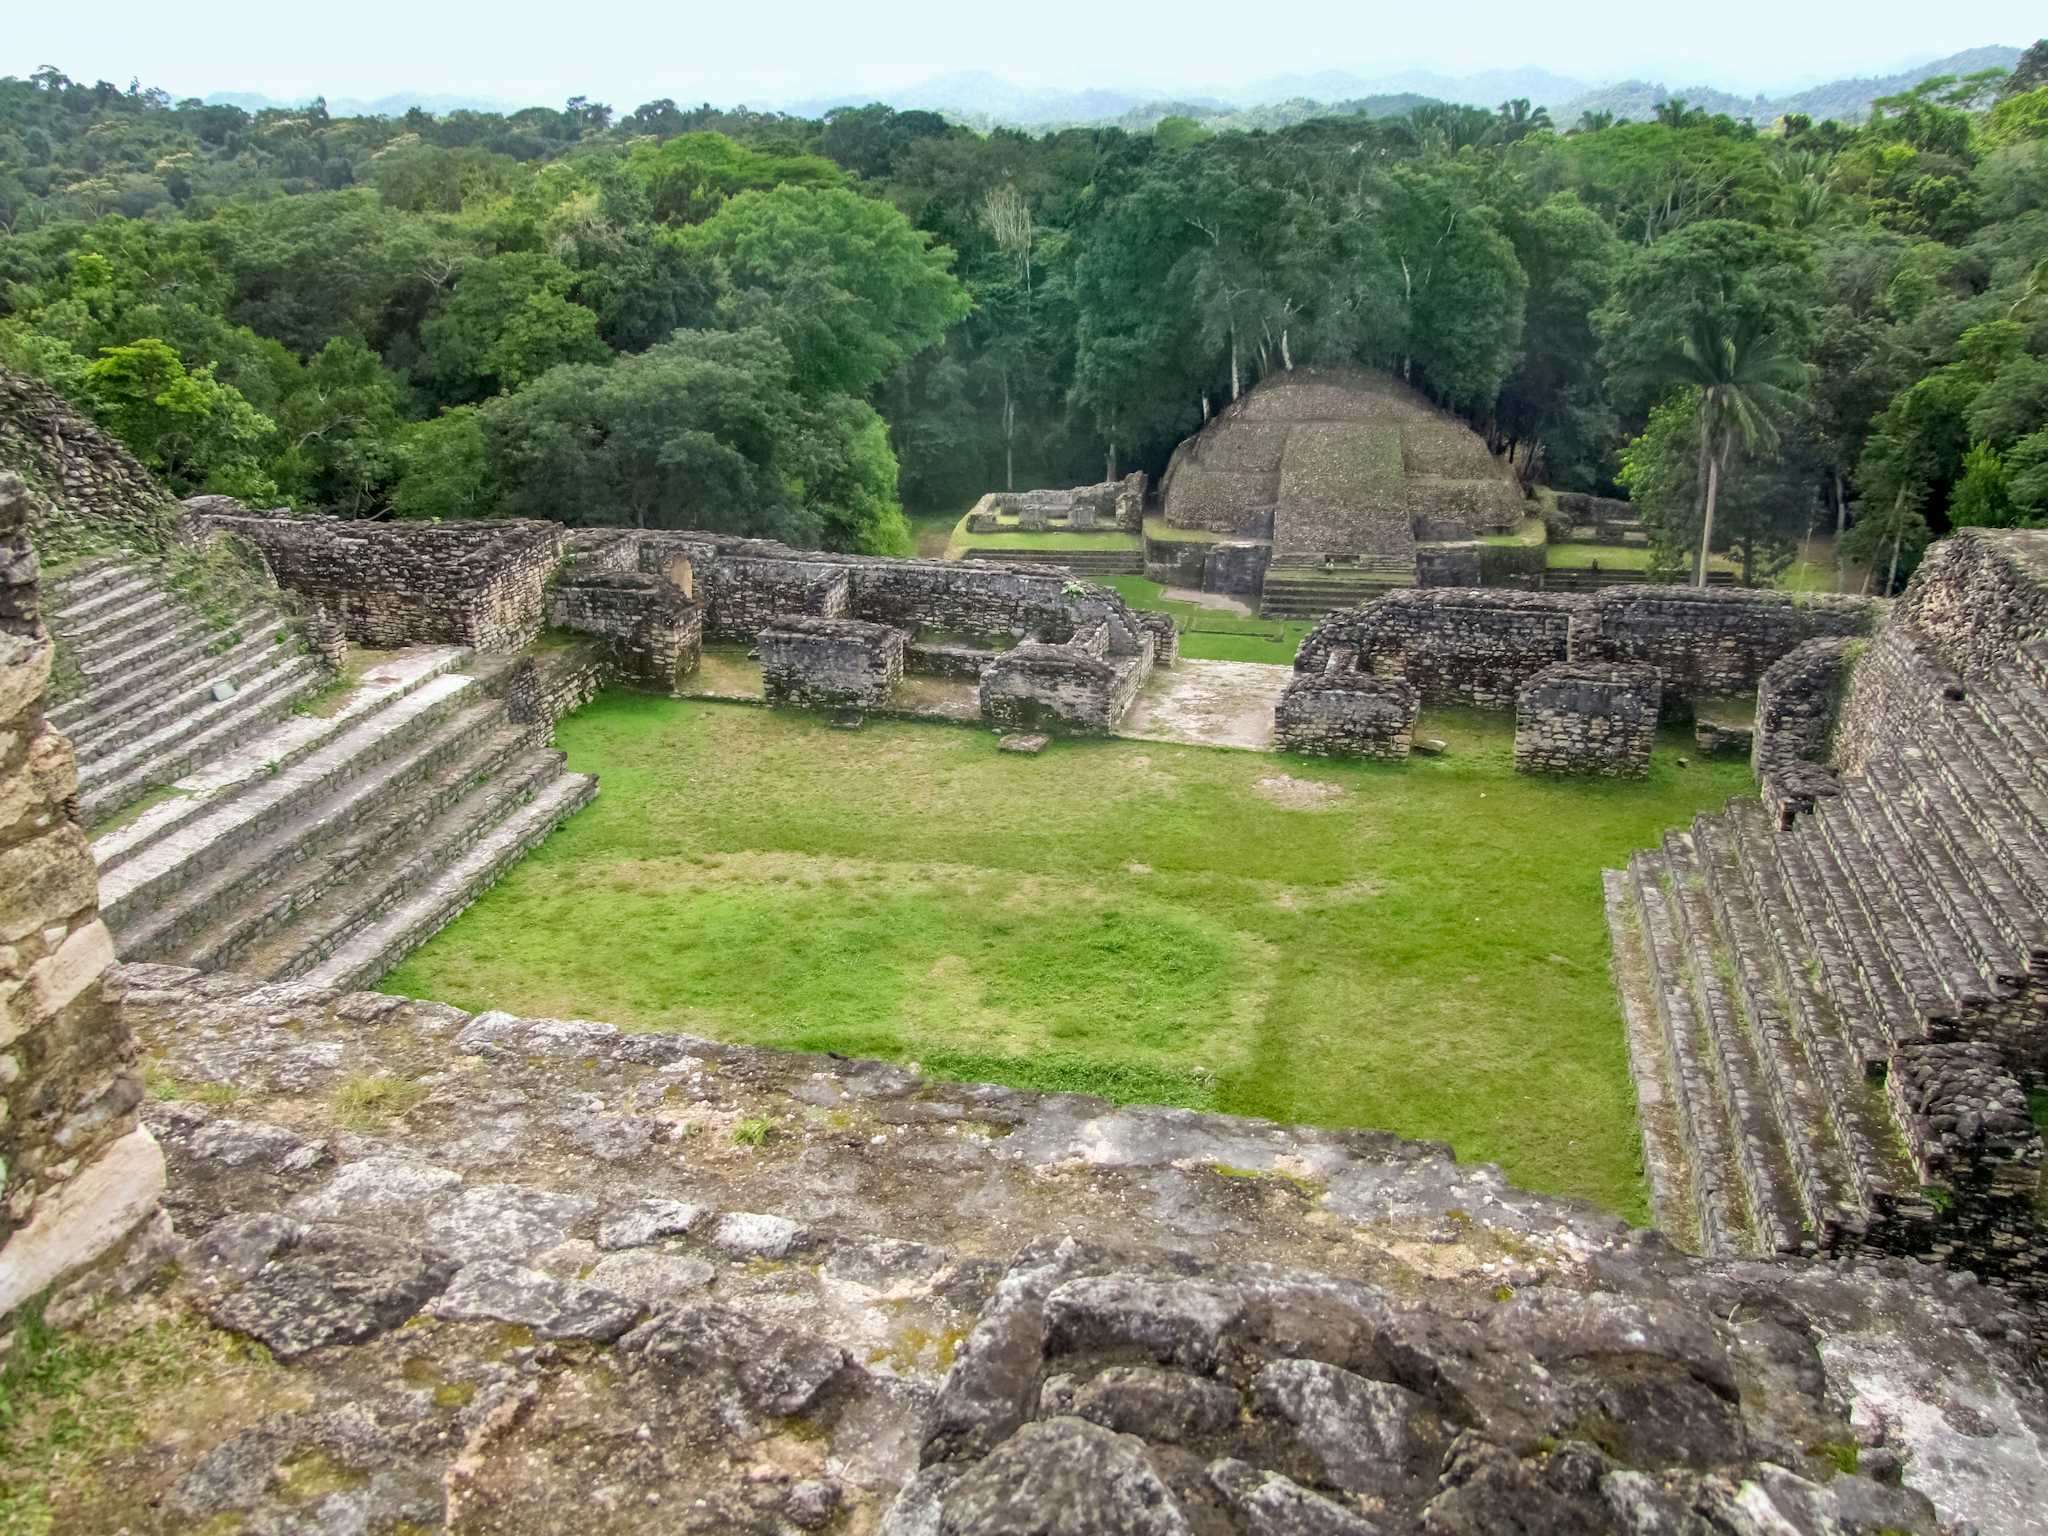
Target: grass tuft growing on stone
[
  {"x": 1423, "y": 951},
  {"x": 370, "y": 1101}
]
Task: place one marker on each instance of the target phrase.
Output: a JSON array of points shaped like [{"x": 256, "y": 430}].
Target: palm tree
[
  {"x": 1745, "y": 382},
  {"x": 1515, "y": 120}
]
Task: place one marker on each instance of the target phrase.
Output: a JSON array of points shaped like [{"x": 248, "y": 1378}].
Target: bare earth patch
[{"x": 1292, "y": 794}]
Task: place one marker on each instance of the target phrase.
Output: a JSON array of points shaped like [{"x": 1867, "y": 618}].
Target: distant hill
[{"x": 984, "y": 100}]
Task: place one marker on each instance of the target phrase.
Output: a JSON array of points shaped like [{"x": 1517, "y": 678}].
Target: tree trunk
[
  {"x": 1286, "y": 357},
  {"x": 1707, "y": 522},
  {"x": 1009, "y": 436},
  {"x": 1205, "y": 408},
  {"x": 1233, "y": 364},
  {"x": 1891, "y": 579},
  {"x": 1111, "y": 461},
  {"x": 1841, "y": 532},
  {"x": 1699, "y": 569}
]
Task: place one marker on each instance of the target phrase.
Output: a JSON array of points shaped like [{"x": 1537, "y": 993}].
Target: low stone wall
[
  {"x": 1165, "y": 635},
  {"x": 1230, "y": 568},
  {"x": 478, "y": 584},
  {"x": 819, "y": 663},
  {"x": 78, "y": 1174},
  {"x": 1712, "y": 642},
  {"x": 1796, "y": 705},
  {"x": 1347, "y": 714},
  {"x": 961, "y": 661},
  {"x": 1517, "y": 567},
  {"x": 1075, "y": 689},
  {"x": 1587, "y": 717},
  {"x": 652, "y": 633},
  {"x": 1118, "y": 504},
  {"x": 541, "y": 689},
  {"x": 1478, "y": 646},
  {"x": 1458, "y": 646}
]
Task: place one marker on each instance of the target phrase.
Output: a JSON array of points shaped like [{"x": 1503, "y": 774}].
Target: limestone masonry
[{"x": 516, "y": 1275}]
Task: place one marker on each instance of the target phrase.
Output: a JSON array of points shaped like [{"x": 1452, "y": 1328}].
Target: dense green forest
[{"x": 796, "y": 327}]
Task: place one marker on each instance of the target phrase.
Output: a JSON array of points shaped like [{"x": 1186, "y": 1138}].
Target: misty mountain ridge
[{"x": 985, "y": 99}]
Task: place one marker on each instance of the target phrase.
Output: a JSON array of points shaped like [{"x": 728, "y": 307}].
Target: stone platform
[{"x": 1208, "y": 704}]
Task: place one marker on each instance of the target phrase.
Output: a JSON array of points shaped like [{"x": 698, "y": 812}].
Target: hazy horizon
[{"x": 519, "y": 52}]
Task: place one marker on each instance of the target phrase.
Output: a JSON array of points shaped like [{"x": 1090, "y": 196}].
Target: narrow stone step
[
  {"x": 342, "y": 869},
  {"x": 178, "y": 749},
  {"x": 1830, "y": 1207},
  {"x": 1897, "y": 867},
  {"x": 1754, "y": 1139},
  {"x": 258, "y": 758},
  {"x": 1836, "y": 975},
  {"x": 149, "y": 610},
  {"x": 1857, "y": 1108},
  {"x": 139, "y": 673},
  {"x": 1881, "y": 969},
  {"x": 233, "y": 821},
  {"x": 2007, "y": 713},
  {"x": 185, "y": 899},
  {"x": 1667, "y": 1163},
  {"x": 2014, "y": 807},
  {"x": 350, "y": 908},
  {"x": 94, "y": 573},
  {"x": 77, "y": 609},
  {"x": 2010, "y": 874},
  {"x": 1964, "y": 877},
  {"x": 1717, "y": 1191},
  {"x": 178, "y": 694},
  {"x": 372, "y": 952}
]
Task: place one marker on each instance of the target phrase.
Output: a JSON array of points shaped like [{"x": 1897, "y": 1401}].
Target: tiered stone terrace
[{"x": 1835, "y": 1021}]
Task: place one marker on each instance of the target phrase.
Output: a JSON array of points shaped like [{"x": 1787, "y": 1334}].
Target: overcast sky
[{"x": 628, "y": 51}]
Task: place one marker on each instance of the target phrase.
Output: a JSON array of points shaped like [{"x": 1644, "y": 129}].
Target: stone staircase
[
  {"x": 333, "y": 844},
  {"x": 1310, "y": 591},
  {"x": 1837, "y": 1019},
  {"x": 166, "y": 687}
]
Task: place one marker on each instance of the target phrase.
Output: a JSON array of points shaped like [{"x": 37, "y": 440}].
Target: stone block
[
  {"x": 836, "y": 664},
  {"x": 1597, "y": 718},
  {"x": 1347, "y": 714}
]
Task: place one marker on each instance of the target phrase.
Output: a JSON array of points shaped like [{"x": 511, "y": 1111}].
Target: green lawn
[
  {"x": 1417, "y": 947},
  {"x": 1210, "y": 635}
]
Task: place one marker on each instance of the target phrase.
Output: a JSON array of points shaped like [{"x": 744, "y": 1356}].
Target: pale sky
[{"x": 629, "y": 51}]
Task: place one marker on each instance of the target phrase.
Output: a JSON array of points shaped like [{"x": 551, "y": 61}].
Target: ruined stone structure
[
  {"x": 544, "y": 1275},
  {"x": 1479, "y": 647},
  {"x": 1114, "y": 504},
  {"x": 1839, "y": 1004},
  {"x": 479, "y": 584},
  {"x": 78, "y": 1174},
  {"x": 1345, "y": 713},
  {"x": 652, "y": 634},
  {"x": 75, "y": 471},
  {"x": 830, "y": 663},
  {"x": 1588, "y": 717}
]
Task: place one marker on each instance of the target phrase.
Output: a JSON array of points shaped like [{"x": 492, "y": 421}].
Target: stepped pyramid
[{"x": 1837, "y": 1012}]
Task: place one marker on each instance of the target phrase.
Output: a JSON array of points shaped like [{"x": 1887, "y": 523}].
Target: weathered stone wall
[
  {"x": 1111, "y": 504},
  {"x": 1717, "y": 641},
  {"x": 542, "y": 688},
  {"x": 1979, "y": 595},
  {"x": 1079, "y": 688},
  {"x": 479, "y": 584},
  {"x": 1347, "y": 714},
  {"x": 654, "y": 635},
  {"x": 1587, "y": 717},
  {"x": 77, "y": 1173},
  {"x": 1514, "y": 566},
  {"x": 83, "y": 478},
  {"x": 1467, "y": 646},
  {"x": 1457, "y": 646},
  {"x": 1796, "y": 705},
  {"x": 818, "y": 663}
]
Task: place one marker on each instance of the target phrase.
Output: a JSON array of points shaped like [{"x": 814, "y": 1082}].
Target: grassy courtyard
[{"x": 1415, "y": 947}]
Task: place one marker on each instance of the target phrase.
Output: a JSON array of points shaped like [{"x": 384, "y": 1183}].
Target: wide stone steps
[
  {"x": 2009, "y": 877},
  {"x": 150, "y": 660},
  {"x": 108, "y": 783},
  {"x": 334, "y": 894},
  {"x": 1830, "y": 1203},
  {"x": 1872, "y": 1154},
  {"x": 297, "y": 736},
  {"x": 1720, "y": 1203},
  {"x": 1872, "y": 933},
  {"x": 197, "y": 892},
  {"x": 269, "y": 800},
  {"x": 1754, "y": 1140},
  {"x": 375, "y": 949},
  {"x": 144, "y": 675},
  {"x": 175, "y": 693}
]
